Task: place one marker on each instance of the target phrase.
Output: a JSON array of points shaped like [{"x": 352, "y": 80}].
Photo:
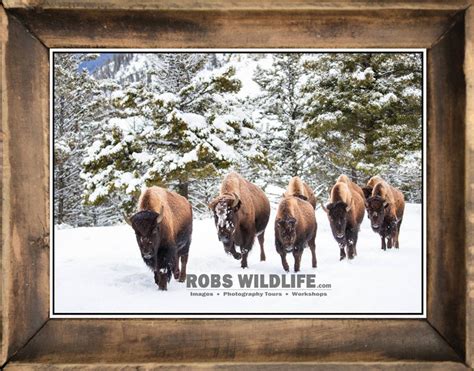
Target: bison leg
[
  {"x": 245, "y": 248},
  {"x": 261, "y": 239},
  {"x": 176, "y": 272},
  {"x": 355, "y": 243},
  {"x": 397, "y": 234},
  {"x": 245, "y": 253},
  {"x": 394, "y": 237},
  {"x": 312, "y": 247},
  {"x": 176, "y": 268},
  {"x": 342, "y": 252},
  {"x": 232, "y": 250},
  {"x": 351, "y": 244},
  {"x": 383, "y": 243},
  {"x": 284, "y": 262},
  {"x": 297, "y": 255},
  {"x": 389, "y": 241},
  {"x": 350, "y": 249},
  {"x": 399, "y": 224},
  {"x": 161, "y": 279},
  {"x": 184, "y": 263}
]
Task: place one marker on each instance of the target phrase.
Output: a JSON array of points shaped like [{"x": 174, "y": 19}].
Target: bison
[
  {"x": 370, "y": 186},
  {"x": 345, "y": 212},
  {"x": 163, "y": 226},
  {"x": 241, "y": 212},
  {"x": 300, "y": 189},
  {"x": 295, "y": 228},
  {"x": 385, "y": 209}
]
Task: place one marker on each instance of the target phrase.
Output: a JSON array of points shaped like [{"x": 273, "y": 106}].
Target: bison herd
[{"x": 163, "y": 222}]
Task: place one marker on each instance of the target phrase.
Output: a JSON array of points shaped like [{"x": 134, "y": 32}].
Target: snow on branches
[{"x": 170, "y": 137}]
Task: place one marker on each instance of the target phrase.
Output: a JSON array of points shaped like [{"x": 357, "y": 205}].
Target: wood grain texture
[
  {"x": 446, "y": 226},
  {"x": 177, "y": 341},
  {"x": 388, "y": 344},
  {"x": 236, "y": 4},
  {"x": 238, "y": 29},
  {"x": 469, "y": 73},
  {"x": 25, "y": 200},
  {"x": 269, "y": 366},
  {"x": 3, "y": 115}
]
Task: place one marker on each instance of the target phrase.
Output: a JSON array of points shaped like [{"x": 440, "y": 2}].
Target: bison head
[
  {"x": 337, "y": 214},
  {"x": 376, "y": 210},
  {"x": 225, "y": 209},
  {"x": 285, "y": 229},
  {"x": 147, "y": 230}
]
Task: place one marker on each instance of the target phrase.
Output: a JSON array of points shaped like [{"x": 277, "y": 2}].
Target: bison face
[
  {"x": 376, "y": 208},
  {"x": 337, "y": 214},
  {"x": 226, "y": 219},
  {"x": 286, "y": 231},
  {"x": 147, "y": 230}
]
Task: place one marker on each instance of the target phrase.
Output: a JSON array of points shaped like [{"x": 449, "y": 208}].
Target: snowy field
[{"x": 100, "y": 270}]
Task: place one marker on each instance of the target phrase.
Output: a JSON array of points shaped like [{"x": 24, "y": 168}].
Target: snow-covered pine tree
[
  {"x": 77, "y": 102},
  {"x": 173, "y": 133},
  {"x": 281, "y": 105},
  {"x": 280, "y": 109},
  {"x": 365, "y": 114},
  {"x": 244, "y": 102}
]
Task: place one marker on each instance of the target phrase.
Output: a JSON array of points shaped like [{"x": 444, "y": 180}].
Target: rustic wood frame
[{"x": 30, "y": 340}]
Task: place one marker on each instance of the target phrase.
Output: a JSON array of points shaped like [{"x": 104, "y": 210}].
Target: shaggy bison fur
[{"x": 163, "y": 226}]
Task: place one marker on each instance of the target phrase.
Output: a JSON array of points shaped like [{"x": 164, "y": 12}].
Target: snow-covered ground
[{"x": 100, "y": 270}]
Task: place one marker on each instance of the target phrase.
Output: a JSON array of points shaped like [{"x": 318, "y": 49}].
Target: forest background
[{"x": 123, "y": 121}]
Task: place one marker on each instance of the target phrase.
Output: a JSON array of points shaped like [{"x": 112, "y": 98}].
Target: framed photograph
[{"x": 212, "y": 185}]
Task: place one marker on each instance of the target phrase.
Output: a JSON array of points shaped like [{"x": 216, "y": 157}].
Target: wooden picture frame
[{"x": 30, "y": 340}]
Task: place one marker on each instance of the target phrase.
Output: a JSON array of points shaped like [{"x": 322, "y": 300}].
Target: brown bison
[
  {"x": 241, "y": 212},
  {"x": 346, "y": 213},
  {"x": 163, "y": 226},
  {"x": 370, "y": 186},
  {"x": 385, "y": 209},
  {"x": 300, "y": 189},
  {"x": 295, "y": 228}
]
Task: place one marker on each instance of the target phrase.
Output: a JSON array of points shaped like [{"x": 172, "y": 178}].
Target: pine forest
[{"x": 123, "y": 121}]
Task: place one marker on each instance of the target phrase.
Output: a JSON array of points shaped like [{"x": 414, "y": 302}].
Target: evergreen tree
[
  {"x": 282, "y": 108},
  {"x": 364, "y": 112},
  {"x": 189, "y": 129},
  {"x": 77, "y": 102}
]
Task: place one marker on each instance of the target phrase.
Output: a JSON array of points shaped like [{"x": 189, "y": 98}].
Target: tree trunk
[
  {"x": 291, "y": 150},
  {"x": 60, "y": 214},
  {"x": 183, "y": 188},
  {"x": 354, "y": 175}
]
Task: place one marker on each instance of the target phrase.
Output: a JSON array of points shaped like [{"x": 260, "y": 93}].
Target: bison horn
[
  {"x": 212, "y": 204},
  {"x": 160, "y": 215},
  {"x": 348, "y": 208},
  {"x": 127, "y": 219},
  {"x": 236, "y": 200},
  {"x": 324, "y": 207}
]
